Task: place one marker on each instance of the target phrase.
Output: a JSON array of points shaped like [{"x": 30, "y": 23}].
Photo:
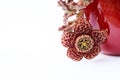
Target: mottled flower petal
[
  {"x": 74, "y": 54},
  {"x": 67, "y": 39},
  {"x": 82, "y": 26},
  {"x": 99, "y": 36},
  {"x": 93, "y": 52}
]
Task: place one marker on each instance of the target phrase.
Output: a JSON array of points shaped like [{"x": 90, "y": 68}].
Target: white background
[{"x": 30, "y": 47}]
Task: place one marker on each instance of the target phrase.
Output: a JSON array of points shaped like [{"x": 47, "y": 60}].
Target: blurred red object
[{"x": 104, "y": 14}]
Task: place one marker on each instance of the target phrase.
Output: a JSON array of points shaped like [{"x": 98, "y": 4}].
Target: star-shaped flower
[
  {"x": 78, "y": 35},
  {"x": 83, "y": 40}
]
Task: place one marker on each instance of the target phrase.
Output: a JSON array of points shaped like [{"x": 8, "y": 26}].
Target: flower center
[{"x": 84, "y": 43}]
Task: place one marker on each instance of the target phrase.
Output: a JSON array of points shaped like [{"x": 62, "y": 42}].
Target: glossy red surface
[{"x": 105, "y": 14}]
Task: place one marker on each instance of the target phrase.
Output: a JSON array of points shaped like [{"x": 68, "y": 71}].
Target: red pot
[{"x": 105, "y": 14}]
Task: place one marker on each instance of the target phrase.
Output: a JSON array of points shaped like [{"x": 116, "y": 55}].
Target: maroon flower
[
  {"x": 83, "y": 41},
  {"x": 78, "y": 35}
]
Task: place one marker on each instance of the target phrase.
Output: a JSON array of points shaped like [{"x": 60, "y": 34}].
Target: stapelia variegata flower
[
  {"x": 80, "y": 38},
  {"x": 83, "y": 41}
]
